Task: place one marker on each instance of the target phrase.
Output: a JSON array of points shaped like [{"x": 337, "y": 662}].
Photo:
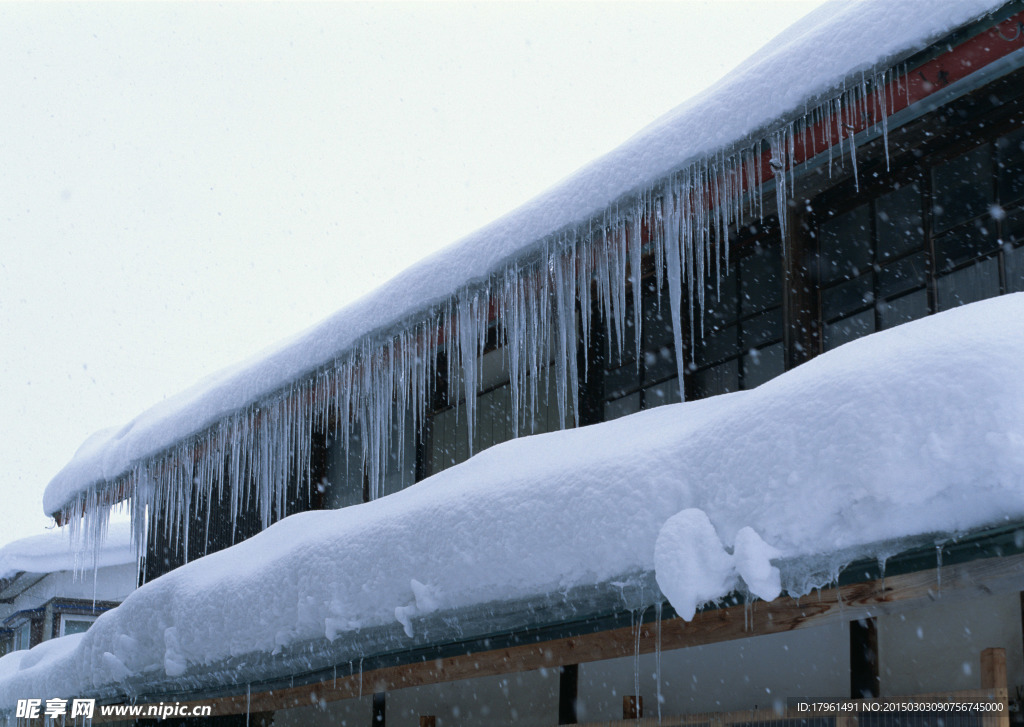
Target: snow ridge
[{"x": 879, "y": 441}]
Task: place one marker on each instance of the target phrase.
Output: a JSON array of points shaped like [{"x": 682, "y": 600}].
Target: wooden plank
[{"x": 712, "y": 626}]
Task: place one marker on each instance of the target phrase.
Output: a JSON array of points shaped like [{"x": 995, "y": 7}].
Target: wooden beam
[{"x": 707, "y": 627}]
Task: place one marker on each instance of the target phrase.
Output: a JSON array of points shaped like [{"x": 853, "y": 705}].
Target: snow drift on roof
[
  {"x": 914, "y": 430},
  {"x": 51, "y": 552},
  {"x": 813, "y": 58}
]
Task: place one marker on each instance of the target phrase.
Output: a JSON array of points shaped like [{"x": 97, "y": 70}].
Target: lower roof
[{"x": 900, "y": 438}]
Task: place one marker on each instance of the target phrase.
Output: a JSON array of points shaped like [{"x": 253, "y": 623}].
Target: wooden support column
[
  {"x": 632, "y": 706},
  {"x": 864, "y": 677},
  {"x": 568, "y": 693},
  {"x": 993, "y": 676},
  {"x": 993, "y": 669},
  {"x": 799, "y": 300},
  {"x": 428, "y": 720}
]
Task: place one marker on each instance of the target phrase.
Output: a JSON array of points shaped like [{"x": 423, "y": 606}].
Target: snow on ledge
[
  {"x": 53, "y": 551},
  {"x": 811, "y": 58},
  {"x": 909, "y": 431}
]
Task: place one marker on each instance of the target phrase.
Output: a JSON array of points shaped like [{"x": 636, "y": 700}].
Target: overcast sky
[{"x": 182, "y": 185}]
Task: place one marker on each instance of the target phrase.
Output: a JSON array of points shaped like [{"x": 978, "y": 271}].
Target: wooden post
[
  {"x": 632, "y": 706},
  {"x": 993, "y": 669},
  {"x": 993, "y": 677},
  {"x": 568, "y": 693},
  {"x": 428, "y": 720}
]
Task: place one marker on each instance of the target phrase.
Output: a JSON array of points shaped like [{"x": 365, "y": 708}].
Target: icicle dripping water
[{"x": 260, "y": 451}]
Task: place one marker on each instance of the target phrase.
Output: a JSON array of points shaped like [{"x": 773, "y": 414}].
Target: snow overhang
[
  {"x": 769, "y": 92},
  {"x": 544, "y": 622}
]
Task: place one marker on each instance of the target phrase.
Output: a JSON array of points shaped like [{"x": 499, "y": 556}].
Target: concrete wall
[
  {"x": 937, "y": 647},
  {"x": 730, "y": 675},
  {"x": 529, "y": 699},
  {"x": 933, "y": 647}
]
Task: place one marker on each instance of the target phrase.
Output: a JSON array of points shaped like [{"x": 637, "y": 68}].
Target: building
[
  {"x": 866, "y": 174},
  {"x": 48, "y": 590}
]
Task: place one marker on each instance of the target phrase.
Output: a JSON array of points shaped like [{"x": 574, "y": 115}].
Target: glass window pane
[
  {"x": 848, "y": 329},
  {"x": 657, "y": 323},
  {"x": 898, "y": 222},
  {"x": 667, "y": 392},
  {"x": 965, "y": 243},
  {"x": 660, "y": 364},
  {"x": 720, "y": 379},
  {"x": 1010, "y": 151},
  {"x": 76, "y": 626},
  {"x": 760, "y": 279},
  {"x": 622, "y": 407},
  {"x": 762, "y": 328},
  {"x": 621, "y": 381},
  {"x": 846, "y": 297},
  {"x": 24, "y": 637},
  {"x": 845, "y": 245},
  {"x": 906, "y": 308},
  {"x": 903, "y": 275},
  {"x": 717, "y": 344},
  {"x": 720, "y": 294},
  {"x": 976, "y": 282},
  {"x": 962, "y": 187},
  {"x": 763, "y": 364},
  {"x": 1015, "y": 269},
  {"x": 344, "y": 473}
]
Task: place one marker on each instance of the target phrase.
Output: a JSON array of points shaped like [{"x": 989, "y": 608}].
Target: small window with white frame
[{"x": 75, "y": 624}]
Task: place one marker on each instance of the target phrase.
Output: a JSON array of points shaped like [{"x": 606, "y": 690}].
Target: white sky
[{"x": 182, "y": 185}]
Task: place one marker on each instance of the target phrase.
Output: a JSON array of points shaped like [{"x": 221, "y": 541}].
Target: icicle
[
  {"x": 675, "y": 275},
  {"x": 881, "y": 87},
  {"x": 636, "y": 660},
  {"x": 849, "y": 126},
  {"x": 778, "y": 164},
  {"x": 635, "y": 271},
  {"x": 657, "y": 656},
  {"x": 370, "y": 394}
]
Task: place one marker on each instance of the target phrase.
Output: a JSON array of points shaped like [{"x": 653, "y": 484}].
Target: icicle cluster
[{"x": 538, "y": 308}]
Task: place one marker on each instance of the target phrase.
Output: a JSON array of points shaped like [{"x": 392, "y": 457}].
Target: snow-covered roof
[
  {"x": 903, "y": 434},
  {"x": 809, "y": 61},
  {"x": 53, "y": 551}
]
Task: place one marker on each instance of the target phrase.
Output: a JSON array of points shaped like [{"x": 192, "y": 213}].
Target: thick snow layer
[
  {"x": 53, "y": 551},
  {"x": 812, "y": 58},
  {"x": 916, "y": 430}
]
